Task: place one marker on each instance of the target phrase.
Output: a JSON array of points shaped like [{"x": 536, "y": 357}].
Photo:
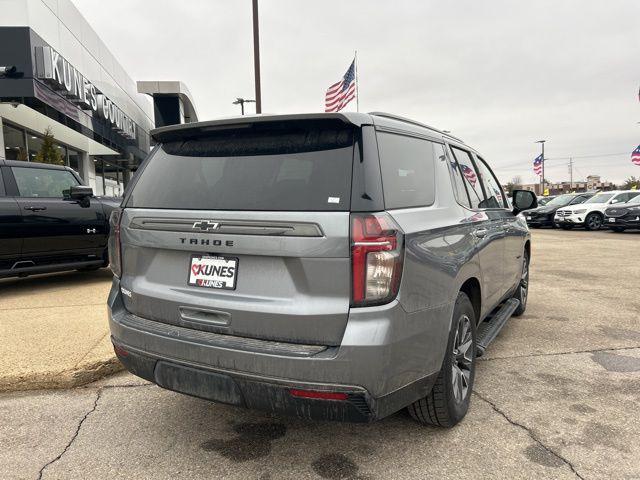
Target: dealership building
[{"x": 58, "y": 77}]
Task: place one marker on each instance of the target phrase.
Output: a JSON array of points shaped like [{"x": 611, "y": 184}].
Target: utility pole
[
  {"x": 256, "y": 56},
  {"x": 571, "y": 172},
  {"x": 241, "y": 102},
  {"x": 542, "y": 180}
]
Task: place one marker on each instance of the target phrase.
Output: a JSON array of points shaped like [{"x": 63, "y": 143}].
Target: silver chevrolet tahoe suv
[{"x": 329, "y": 266}]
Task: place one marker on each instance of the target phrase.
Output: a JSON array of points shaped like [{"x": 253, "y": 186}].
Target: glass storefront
[
  {"x": 15, "y": 146},
  {"x": 110, "y": 178},
  {"x": 34, "y": 145},
  {"x": 20, "y": 144},
  {"x": 99, "y": 190},
  {"x": 75, "y": 161},
  {"x": 24, "y": 145}
]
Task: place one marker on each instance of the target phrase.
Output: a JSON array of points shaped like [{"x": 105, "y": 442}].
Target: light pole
[
  {"x": 256, "y": 56},
  {"x": 543, "y": 183},
  {"x": 241, "y": 102}
]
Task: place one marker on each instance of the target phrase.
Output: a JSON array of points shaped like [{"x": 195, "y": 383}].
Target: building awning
[{"x": 35, "y": 121}]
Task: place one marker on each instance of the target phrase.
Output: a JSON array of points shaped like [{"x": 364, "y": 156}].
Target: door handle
[
  {"x": 35, "y": 208},
  {"x": 480, "y": 232}
]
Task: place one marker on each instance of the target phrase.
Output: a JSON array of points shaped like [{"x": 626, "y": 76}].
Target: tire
[
  {"x": 567, "y": 227},
  {"x": 448, "y": 401},
  {"x": 593, "y": 222},
  {"x": 617, "y": 229},
  {"x": 522, "y": 292}
]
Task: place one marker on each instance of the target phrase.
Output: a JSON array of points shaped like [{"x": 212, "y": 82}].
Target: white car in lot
[{"x": 590, "y": 214}]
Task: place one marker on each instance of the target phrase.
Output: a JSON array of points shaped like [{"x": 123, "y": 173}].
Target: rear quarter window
[
  {"x": 408, "y": 168},
  {"x": 471, "y": 177}
]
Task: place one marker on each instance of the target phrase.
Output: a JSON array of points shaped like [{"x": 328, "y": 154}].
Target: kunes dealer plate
[{"x": 210, "y": 271}]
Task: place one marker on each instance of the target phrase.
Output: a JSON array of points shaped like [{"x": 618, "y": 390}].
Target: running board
[{"x": 489, "y": 329}]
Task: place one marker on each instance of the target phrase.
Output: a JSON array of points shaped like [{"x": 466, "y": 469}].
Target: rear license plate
[
  {"x": 528, "y": 218},
  {"x": 612, "y": 220},
  {"x": 210, "y": 271}
]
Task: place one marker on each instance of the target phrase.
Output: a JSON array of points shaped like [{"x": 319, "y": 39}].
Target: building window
[
  {"x": 34, "y": 145},
  {"x": 74, "y": 160},
  {"x": 113, "y": 180},
  {"x": 99, "y": 177},
  {"x": 14, "y": 143}
]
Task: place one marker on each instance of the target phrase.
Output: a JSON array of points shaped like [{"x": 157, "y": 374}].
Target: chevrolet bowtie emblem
[{"x": 205, "y": 225}]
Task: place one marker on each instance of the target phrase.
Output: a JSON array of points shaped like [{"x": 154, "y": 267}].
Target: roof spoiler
[{"x": 174, "y": 132}]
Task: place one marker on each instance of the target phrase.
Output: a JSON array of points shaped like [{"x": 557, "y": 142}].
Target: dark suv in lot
[
  {"x": 623, "y": 217},
  {"x": 49, "y": 221},
  {"x": 331, "y": 266}
]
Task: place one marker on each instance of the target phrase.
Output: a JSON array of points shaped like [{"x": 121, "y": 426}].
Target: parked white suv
[{"x": 590, "y": 214}]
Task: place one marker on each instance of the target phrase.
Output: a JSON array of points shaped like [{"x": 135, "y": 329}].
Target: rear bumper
[
  {"x": 250, "y": 392},
  {"x": 384, "y": 363}
]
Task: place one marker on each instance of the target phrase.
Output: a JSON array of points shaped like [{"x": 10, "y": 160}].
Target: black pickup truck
[{"x": 49, "y": 221}]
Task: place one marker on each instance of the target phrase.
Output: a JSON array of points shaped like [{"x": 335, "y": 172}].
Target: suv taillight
[
  {"x": 115, "y": 254},
  {"x": 376, "y": 259}
]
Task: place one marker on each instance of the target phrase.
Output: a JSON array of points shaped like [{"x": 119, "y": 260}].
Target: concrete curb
[{"x": 79, "y": 375}]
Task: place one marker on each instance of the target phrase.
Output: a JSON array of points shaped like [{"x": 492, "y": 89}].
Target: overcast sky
[{"x": 498, "y": 73}]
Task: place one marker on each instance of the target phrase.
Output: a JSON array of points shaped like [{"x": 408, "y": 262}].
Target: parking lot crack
[
  {"x": 74, "y": 436},
  {"x": 552, "y": 354},
  {"x": 530, "y": 433}
]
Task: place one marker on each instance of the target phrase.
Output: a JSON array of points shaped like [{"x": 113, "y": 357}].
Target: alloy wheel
[
  {"x": 594, "y": 222},
  {"x": 462, "y": 359}
]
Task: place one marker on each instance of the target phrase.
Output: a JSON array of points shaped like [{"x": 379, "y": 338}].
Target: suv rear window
[{"x": 296, "y": 168}]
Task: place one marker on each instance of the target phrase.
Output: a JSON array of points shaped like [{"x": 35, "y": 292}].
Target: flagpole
[{"x": 357, "y": 92}]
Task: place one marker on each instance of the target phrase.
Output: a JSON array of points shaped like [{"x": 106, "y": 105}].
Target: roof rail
[{"x": 412, "y": 122}]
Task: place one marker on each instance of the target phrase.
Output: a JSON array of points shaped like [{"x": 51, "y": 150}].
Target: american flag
[
  {"x": 635, "y": 156},
  {"x": 537, "y": 165},
  {"x": 469, "y": 174},
  {"x": 341, "y": 93}
]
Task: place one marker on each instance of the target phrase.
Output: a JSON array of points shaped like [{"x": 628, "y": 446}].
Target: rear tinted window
[
  {"x": 407, "y": 170},
  {"x": 303, "y": 168},
  {"x": 458, "y": 182},
  {"x": 468, "y": 171}
]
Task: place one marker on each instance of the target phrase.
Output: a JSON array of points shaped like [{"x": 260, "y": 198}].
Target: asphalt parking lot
[{"x": 556, "y": 396}]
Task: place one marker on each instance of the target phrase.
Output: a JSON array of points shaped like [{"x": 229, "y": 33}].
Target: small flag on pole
[
  {"x": 469, "y": 175},
  {"x": 537, "y": 165},
  {"x": 635, "y": 156},
  {"x": 341, "y": 93}
]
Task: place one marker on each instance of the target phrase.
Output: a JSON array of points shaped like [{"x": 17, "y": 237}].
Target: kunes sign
[{"x": 53, "y": 68}]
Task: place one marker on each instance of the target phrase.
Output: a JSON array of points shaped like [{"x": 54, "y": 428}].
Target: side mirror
[
  {"x": 523, "y": 200},
  {"x": 80, "y": 192}
]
